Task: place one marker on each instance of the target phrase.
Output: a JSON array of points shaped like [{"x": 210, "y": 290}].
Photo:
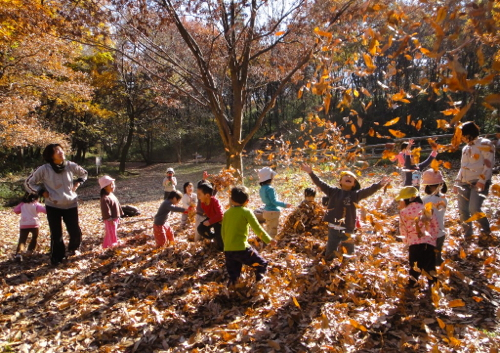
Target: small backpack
[{"x": 130, "y": 211}]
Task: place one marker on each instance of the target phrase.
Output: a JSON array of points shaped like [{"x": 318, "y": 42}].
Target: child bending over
[{"x": 162, "y": 230}]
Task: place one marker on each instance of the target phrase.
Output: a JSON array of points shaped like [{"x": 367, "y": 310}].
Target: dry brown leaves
[{"x": 135, "y": 298}]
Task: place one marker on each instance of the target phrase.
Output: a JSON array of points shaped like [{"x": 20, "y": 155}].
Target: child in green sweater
[{"x": 237, "y": 250}]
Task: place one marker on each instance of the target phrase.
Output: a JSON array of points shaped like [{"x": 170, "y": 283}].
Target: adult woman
[
  {"x": 474, "y": 179},
  {"x": 55, "y": 181}
]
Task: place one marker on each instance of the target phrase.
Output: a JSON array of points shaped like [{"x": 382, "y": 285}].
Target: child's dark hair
[
  {"x": 104, "y": 192},
  {"x": 206, "y": 188},
  {"x": 48, "y": 152},
  {"x": 404, "y": 145},
  {"x": 186, "y": 184},
  {"x": 266, "y": 182},
  {"x": 416, "y": 199},
  {"x": 429, "y": 189},
  {"x": 29, "y": 198},
  {"x": 239, "y": 195},
  {"x": 175, "y": 194},
  {"x": 309, "y": 192}
]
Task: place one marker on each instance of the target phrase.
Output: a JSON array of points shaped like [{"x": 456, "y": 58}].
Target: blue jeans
[
  {"x": 336, "y": 238},
  {"x": 469, "y": 203}
]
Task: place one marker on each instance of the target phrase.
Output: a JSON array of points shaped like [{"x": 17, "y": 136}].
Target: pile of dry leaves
[{"x": 135, "y": 298}]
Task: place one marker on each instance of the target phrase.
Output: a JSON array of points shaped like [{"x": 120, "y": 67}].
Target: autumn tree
[{"x": 210, "y": 50}]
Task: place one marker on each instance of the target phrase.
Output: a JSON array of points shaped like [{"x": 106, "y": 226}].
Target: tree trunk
[
  {"x": 234, "y": 160},
  {"x": 131, "y": 127}
]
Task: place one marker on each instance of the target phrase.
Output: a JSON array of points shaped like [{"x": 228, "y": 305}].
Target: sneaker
[{"x": 18, "y": 258}]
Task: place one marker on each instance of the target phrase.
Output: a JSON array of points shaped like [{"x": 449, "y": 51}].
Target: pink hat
[
  {"x": 432, "y": 177},
  {"x": 105, "y": 181}
]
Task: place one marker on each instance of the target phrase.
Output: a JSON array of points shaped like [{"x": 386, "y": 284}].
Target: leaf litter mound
[{"x": 135, "y": 298}]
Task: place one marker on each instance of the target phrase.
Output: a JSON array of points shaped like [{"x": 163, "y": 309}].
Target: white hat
[
  {"x": 266, "y": 173},
  {"x": 170, "y": 170},
  {"x": 105, "y": 181}
]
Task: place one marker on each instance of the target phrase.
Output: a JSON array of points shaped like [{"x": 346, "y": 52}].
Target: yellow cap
[{"x": 406, "y": 193}]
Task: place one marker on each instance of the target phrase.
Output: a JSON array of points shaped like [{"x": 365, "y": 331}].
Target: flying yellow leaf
[
  {"x": 418, "y": 125},
  {"x": 397, "y": 133},
  {"x": 461, "y": 114},
  {"x": 441, "y": 323},
  {"x": 447, "y": 165},
  {"x": 357, "y": 325},
  {"x": 371, "y": 132},
  {"x": 280, "y": 33},
  {"x": 353, "y": 129},
  {"x": 475, "y": 217},
  {"x": 456, "y": 303},
  {"x": 435, "y": 164},
  {"x": 392, "y": 122},
  {"x": 369, "y": 62},
  {"x": 442, "y": 124},
  {"x": 296, "y": 302}
]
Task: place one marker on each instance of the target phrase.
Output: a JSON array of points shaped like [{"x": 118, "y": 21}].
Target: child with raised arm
[
  {"x": 237, "y": 250},
  {"x": 29, "y": 209},
  {"x": 268, "y": 196},
  {"x": 210, "y": 228},
  {"x": 162, "y": 230},
  {"x": 413, "y": 172},
  {"x": 435, "y": 188},
  {"x": 111, "y": 211},
  {"x": 341, "y": 209},
  {"x": 169, "y": 182},
  {"x": 420, "y": 228}
]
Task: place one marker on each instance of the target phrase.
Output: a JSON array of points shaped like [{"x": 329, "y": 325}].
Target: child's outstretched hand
[
  {"x": 306, "y": 168},
  {"x": 385, "y": 180}
]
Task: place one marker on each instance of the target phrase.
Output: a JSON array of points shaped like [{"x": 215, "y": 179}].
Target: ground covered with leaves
[{"x": 135, "y": 298}]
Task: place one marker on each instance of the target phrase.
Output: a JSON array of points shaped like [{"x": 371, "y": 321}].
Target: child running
[
  {"x": 210, "y": 227},
  {"x": 435, "y": 188},
  {"x": 161, "y": 229},
  {"x": 237, "y": 250},
  {"x": 341, "y": 209},
  {"x": 189, "y": 200},
  {"x": 29, "y": 209},
  {"x": 169, "y": 182},
  {"x": 111, "y": 211},
  {"x": 267, "y": 194},
  {"x": 420, "y": 229}
]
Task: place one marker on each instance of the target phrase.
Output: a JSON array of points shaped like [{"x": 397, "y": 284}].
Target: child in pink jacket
[{"x": 29, "y": 209}]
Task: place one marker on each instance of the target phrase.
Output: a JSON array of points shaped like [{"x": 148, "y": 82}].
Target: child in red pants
[{"x": 162, "y": 230}]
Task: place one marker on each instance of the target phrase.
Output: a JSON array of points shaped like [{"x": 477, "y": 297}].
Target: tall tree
[{"x": 208, "y": 50}]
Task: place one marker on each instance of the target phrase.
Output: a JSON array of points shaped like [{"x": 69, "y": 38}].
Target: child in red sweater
[{"x": 210, "y": 228}]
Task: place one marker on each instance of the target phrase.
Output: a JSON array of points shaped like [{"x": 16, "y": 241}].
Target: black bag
[{"x": 130, "y": 211}]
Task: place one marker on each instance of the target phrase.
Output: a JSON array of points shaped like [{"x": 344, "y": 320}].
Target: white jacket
[{"x": 477, "y": 162}]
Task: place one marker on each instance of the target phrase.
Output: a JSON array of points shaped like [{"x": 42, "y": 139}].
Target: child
[
  {"x": 412, "y": 172},
  {"x": 169, "y": 182},
  {"x": 400, "y": 157},
  {"x": 189, "y": 200},
  {"x": 435, "y": 187},
  {"x": 307, "y": 216},
  {"x": 210, "y": 228},
  {"x": 111, "y": 211},
  {"x": 161, "y": 229},
  {"x": 237, "y": 250},
  {"x": 341, "y": 209},
  {"x": 267, "y": 194},
  {"x": 420, "y": 228},
  {"x": 29, "y": 223}
]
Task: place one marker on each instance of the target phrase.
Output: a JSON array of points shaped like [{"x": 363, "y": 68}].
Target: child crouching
[{"x": 237, "y": 250}]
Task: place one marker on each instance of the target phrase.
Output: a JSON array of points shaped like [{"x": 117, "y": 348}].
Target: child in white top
[
  {"x": 435, "y": 187},
  {"x": 189, "y": 200},
  {"x": 169, "y": 183},
  {"x": 29, "y": 223}
]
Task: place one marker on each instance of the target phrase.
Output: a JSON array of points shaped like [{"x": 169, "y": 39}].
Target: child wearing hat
[
  {"x": 420, "y": 228},
  {"x": 434, "y": 189},
  {"x": 268, "y": 196},
  {"x": 169, "y": 182},
  {"x": 111, "y": 211},
  {"x": 341, "y": 209}
]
